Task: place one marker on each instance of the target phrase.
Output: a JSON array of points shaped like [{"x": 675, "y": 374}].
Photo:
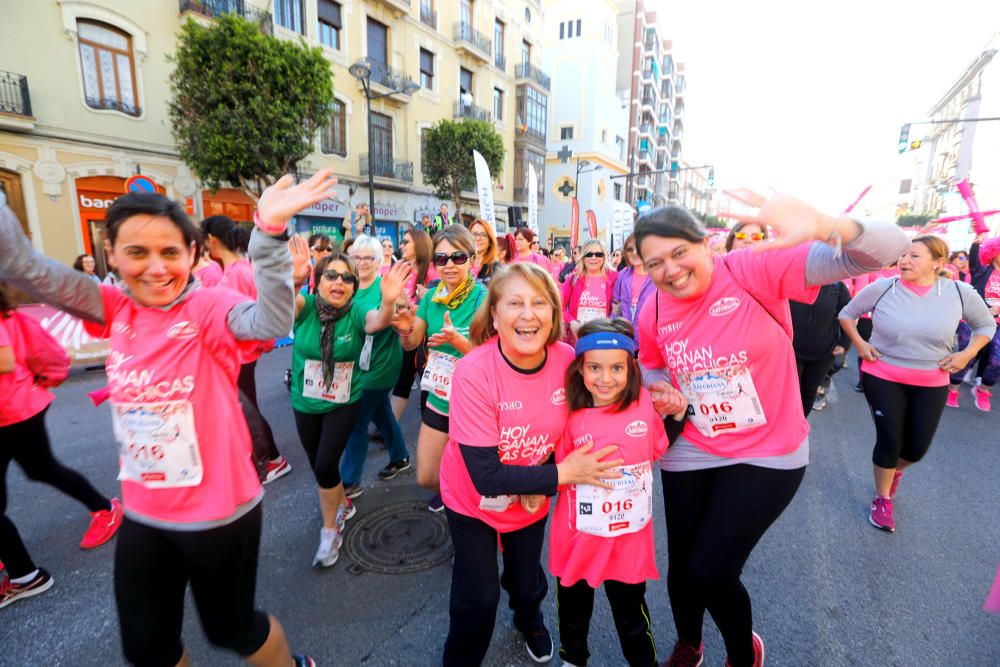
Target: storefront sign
[
  {"x": 328, "y": 208},
  {"x": 421, "y": 212},
  {"x": 386, "y": 211},
  {"x": 83, "y": 349},
  {"x": 95, "y": 200}
]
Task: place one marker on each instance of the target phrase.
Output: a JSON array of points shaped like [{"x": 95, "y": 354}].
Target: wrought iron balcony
[
  {"x": 14, "y": 98},
  {"x": 428, "y": 16},
  {"x": 216, "y": 8},
  {"x": 466, "y": 34},
  {"x": 472, "y": 111},
  {"x": 113, "y": 105},
  {"x": 530, "y": 133},
  {"x": 529, "y": 71},
  {"x": 500, "y": 62},
  {"x": 385, "y": 166},
  {"x": 389, "y": 77}
]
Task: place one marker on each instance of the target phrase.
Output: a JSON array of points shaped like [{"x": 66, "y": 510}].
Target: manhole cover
[{"x": 398, "y": 539}]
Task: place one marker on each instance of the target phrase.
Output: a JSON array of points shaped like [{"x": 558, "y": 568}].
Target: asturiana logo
[
  {"x": 637, "y": 429},
  {"x": 559, "y": 396},
  {"x": 724, "y": 306},
  {"x": 183, "y": 330}
]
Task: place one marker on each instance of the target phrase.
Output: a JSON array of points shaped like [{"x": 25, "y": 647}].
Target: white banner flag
[
  {"x": 532, "y": 199},
  {"x": 484, "y": 185}
]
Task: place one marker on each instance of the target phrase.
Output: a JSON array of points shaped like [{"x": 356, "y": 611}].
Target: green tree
[
  {"x": 245, "y": 106},
  {"x": 915, "y": 219},
  {"x": 447, "y": 156}
]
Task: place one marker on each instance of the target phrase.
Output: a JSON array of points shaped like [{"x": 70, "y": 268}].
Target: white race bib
[
  {"x": 627, "y": 508},
  {"x": 437, "y": 374},
  {"x": 157, "y": 444},
  {"x": 339, "y": 390},
  {"x": 584, "y": 315},
  {"x": 496, "y": 503},
  {"x": 365, "y": 360},
  {"x": 722, "y": 400}
]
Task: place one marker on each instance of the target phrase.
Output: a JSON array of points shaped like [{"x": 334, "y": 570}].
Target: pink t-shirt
[
  {"x": 22, "y": 398},
  {"x": 535, "y": 258},
  {"x": 210, "y": 275},
  {"x": 992, "y": 291},
  {"x": 494, "y": 405},
  {"x": 238, "y": 276},
  {"x": 411, "y": 283},
  {"x": 594, "y": 296},
  {"x": 638, "y": 280},
  {"x": 737, "y": 335},
  {"x": 188, "y": 356},
  {"x": 629, "y": 558}
]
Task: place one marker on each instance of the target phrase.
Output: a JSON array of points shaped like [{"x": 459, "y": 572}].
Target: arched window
[{"x": 108, "y": 67}]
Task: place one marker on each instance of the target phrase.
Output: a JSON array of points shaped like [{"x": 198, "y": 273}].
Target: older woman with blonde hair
[
  {"x": 486, "y": 261},
  {"x": 588, "y": 293},
  {"x": 497, "y": 471}
]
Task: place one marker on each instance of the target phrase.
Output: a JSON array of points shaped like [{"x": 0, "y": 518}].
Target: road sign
[{"x": 140, "y": 183}]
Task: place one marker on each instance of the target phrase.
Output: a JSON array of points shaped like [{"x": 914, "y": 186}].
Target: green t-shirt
[
  {"x": 461, "y": 318},
  {"x": 387, "y": 353},
  {"x": 349, "y": 338}
]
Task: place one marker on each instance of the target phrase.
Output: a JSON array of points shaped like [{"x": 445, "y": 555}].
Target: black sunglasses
[
  {"x": 599, "y": 255},
  {"x": 459, "y": 258},
  {"x": 346, "y": 276}
]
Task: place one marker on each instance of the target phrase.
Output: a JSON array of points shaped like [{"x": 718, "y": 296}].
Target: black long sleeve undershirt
[{"x": 493, "y": 478}]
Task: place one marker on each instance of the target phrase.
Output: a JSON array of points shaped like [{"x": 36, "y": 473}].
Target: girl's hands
[
  {"x": 667, "y": 400},
  {"x": 300, "y": 260},
  {"x": 582, "y": 466},
  {"x": 447, "y": 336},
  {"x": 281, "y": 201},
  {"x": 404, "y": 318},
  {"x": 394, "y": 281}
]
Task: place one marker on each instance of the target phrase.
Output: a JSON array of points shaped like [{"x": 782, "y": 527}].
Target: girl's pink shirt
[
  {"x": 493, "y": 405},
  {"x": 186, "y": 353},
  {"x": 238, "y": 276},
  {"x": 22, "y": 398},
  {"x": 629, "y": 558},
  {"x": 209, "y": 275}
]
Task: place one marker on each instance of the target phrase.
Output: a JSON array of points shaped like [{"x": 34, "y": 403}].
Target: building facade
[
  {"x": 588, "y": 125},
  {"x": 77, "y": 123}
]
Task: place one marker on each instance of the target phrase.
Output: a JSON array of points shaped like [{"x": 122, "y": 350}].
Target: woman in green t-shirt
[
  {"x": 330, "y": 329},
  {"x": 442, "y": 324}
]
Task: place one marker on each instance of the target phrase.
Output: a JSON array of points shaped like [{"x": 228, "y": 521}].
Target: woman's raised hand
[
  {"x": 394, "y": 281},
  {"x": 582, "y": 466},
  {"x": 793, "y": 221},
  {"x": 281, "y": 201},
  {"x": 300, "y": 260}
]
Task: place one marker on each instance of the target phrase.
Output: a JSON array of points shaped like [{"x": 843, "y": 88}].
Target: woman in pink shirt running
[
  {"x": 588, "y": 292},
  {"x": 523, "y": 238},
  {"x": 190, "y": 491},
  {"x": 508, "y": 411},
  {"x": 719, "y": 329}
]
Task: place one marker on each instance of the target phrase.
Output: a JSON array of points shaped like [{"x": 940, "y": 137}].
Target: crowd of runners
[{"x": 542, "y": 374}]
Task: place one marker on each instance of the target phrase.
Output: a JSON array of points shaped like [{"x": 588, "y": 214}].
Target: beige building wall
[{"x": 45, "y": 151}]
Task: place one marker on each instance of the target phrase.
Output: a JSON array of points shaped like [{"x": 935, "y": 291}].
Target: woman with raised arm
[{"x": 189, "y": 488}]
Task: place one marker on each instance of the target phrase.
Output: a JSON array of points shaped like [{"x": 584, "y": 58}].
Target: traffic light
[
  {"x": 904, "y": 138},
  {"x": 711, "y": 177}
]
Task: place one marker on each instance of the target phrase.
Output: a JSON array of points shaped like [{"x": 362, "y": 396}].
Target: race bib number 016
[
  {"x": 437, "y": 374},
  {"x": 722, "y": 400},
  {"x": 626, "y": 508},
  {"x": 339, "y": 389},
  {"x": 157, "y": 444}
]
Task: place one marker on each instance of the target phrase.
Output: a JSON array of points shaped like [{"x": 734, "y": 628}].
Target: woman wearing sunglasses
[
  {"x": 330, "y": 329},
  {"x": 744, "y": 235},
  {"x": 588, "y": 293},
  {"x": 485, "y": 263},
  {"x": 959, "y": 260},
  {"x": 523, "y": 238},
  {"x": 388, "y": 256},
  {"x": 441, "y": 323},
  {"x": 633, "y": 285}
]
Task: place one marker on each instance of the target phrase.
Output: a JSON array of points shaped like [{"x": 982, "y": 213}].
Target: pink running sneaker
[
  {"x": 982, "y": 399},
  {"x": 758, "y": 652},
  {"x": 349, "y": 509},
  {"x": 952, "y": 401},
  {"x": 276, "y": 468},
  {"x": 881, "y": 514},
  {"x": 686, "y": 655},
  {"x": 896, "y": 476},
  {"x": 103, "y": 526}
]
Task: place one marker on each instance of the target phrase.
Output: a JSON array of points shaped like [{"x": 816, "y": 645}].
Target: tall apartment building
[
  {"x": 77, "y": 122},
  {"x": 654, "y": 86},
  {"x": 588, "y": 119}
]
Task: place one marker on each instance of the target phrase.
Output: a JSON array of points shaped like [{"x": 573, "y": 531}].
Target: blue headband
[{"x": 604, "y": 340}]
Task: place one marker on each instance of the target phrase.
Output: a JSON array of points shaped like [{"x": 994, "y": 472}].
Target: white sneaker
[{"x": 330, "y": 540}]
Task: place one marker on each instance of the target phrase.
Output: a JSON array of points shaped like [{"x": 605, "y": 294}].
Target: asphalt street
[{"x": 827, "y": 588}]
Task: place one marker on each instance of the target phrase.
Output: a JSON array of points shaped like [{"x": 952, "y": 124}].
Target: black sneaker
[
  {"x": 11, "y": 592},
  {"x": 436, "y": 504},
  {"x": 393, "y": 469},
  {"x": 353, "y": 490},
  {"x": 858, "y": 388},
  {"x": 539, "y": 644}
]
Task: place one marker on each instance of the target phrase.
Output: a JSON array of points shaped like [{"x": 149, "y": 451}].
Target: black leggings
[
  {"x": 406, "y": 374},
  {"x": 153, "y": 567},
  {"x": 324, "y": 437},
  {"x": 260, "y": 431},
  {"x": 575, "y": 605},
  {"x": 906, "y": 418},
  {"x": 715, "y": 518},
  {"x": 865, "y": 328},
  {"x": 476, "y": 582},
  {"x": 811, "y": 376},
  {"x": 27, "y": 442}
]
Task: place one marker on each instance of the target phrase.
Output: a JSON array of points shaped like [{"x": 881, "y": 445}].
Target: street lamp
[{"x": 362, "y": 71}]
